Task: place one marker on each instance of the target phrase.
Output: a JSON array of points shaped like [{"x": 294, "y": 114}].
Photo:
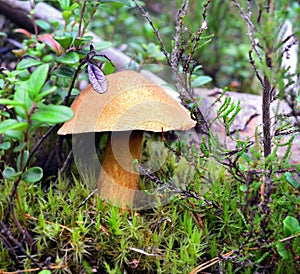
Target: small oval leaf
[
  {"x": 52, "y": 114},
  {"x": 22, "y": 160},
  {"x": 69, "y": 58},
  {"x": 32, "y": 175},
  {"x": 9, "y": 102},
  {"x": 65, "y": 41},
  {"x": 22, "y": 95},
  {"x": 5, "y": 145},
  {"x": 10, "y": 174},
  {"x": 64, "y": 71},
  {"x": 27, "y": 63},
  {"x": 282, "y": 251},
  {"x": 291, "y": 180},
  {"x": 200, "y": 81},
  {"x": 45, "y": 271},
  {"x": 102, "y": 45},
  {"x": 11, "y": 124},
  {"x": 38, "y": 79},
  {"x": 291, "y": 226}
]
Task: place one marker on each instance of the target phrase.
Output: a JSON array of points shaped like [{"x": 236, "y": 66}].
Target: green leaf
[
  {"x": 48, "y": 58},
  {"x": 200, "y": 81},
  {"x": 136, "y": 46},
  {"x": 22, "y": 160},
  {"x": 66, "y": 15},
  {"x": 83, "y": 40},
  {"x": 246, "y": 157},
  {"x": 22, "y": 95},
  {"x": 108, "y": 68},
  {"x": 11, "y": 124},
  {"x": 38, "y": 79},
  {"x": 64, "y": 71},
  {"x": 27, "y": 63},
  {"x": 291, "y": 180},
  {"x": 243, "y": 188},
  {"x": 290, "y": 226},
  {"x": 169, "y": 86},
  {"x": 52, "y": 114},
  {"x": 45, "y": 271},
  {"x": 64, "y": 4},
  {"x": 73, "y": 6},
  {"x": 40, "y": 96},
  {"x": 43, "y": 24},
  {"x": 14, "y": 129},
  {"x": 32, "y": 175},
  {"x": 10, "y": 174},
  {"x": 9, "y": 102},
  {"x": 65, "y": 41},
  {"x": 15, "y": 134},
  {"x": 5, "y": 145},
  {"x": 102, "y": 45},
  {"x": 282, "y": 251},
  {"x": 20, "y": 147},
  {"x": 124, "y": 2},
  {"x": 69, "y": 58}
]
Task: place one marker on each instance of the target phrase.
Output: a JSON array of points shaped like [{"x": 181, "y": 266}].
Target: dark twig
[
  {"x": 87, "y": 198},
  {"x": 80, "y": 30},
  {"x": 40, "y": 142},
  {"x": 252, "y": 62},
  {"x": 265, "y": 80},
  {"x": 68, "y": 159},
  {"x": 196, "y": 38},
  {"x": 178, "y": 49},
  {"x": 251, "y": 28},
  {"x": 146, "y": 15},
  {"x": 5, "y": 234}
]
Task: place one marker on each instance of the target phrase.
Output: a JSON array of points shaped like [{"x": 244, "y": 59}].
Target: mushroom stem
[{"x": 118, "y": 181}]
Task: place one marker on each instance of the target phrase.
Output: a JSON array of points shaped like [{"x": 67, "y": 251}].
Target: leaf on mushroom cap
[{"x": 132, "y": 102}]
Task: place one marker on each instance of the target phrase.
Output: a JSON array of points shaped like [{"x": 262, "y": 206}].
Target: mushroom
[{"x": 132, "y": 104}]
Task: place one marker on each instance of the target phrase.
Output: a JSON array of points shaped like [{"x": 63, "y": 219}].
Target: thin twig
[
  {"x": 81, "y": 32},
  {"x": 5, "y": 232},
  {"x": 50, "y": 267},
  {"x": 210, "y": 263},
  {"x": 250, "y": 25},
  {"x": 146, "y": 15},
  {"x": 40, "y": 142},
  {"x": 87, "y": 198}
]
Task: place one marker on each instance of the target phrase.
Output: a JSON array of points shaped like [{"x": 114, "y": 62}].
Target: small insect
[{"x": 96, "y": 76}]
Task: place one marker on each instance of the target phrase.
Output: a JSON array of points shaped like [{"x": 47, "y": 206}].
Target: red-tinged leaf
[
  {"x": 51, "y": 42},
  {"x": 24, "y": 31},
  {"x": 97, "y": 78}
]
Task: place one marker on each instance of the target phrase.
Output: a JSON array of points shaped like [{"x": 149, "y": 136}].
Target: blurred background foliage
[{"x": 224, "y": 57}]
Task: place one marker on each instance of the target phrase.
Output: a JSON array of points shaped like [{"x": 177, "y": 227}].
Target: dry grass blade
[
  {"x": 52, "y": 267},
  {"x": 209, "y": 263}
]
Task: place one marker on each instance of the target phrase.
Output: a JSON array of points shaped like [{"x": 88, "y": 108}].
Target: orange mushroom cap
[{"x": 132, "y": 102}]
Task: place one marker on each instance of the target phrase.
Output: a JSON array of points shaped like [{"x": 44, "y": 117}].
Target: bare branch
[
  {"x": 146, "y": 15},
  {"x": 250, "y": 25}
]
